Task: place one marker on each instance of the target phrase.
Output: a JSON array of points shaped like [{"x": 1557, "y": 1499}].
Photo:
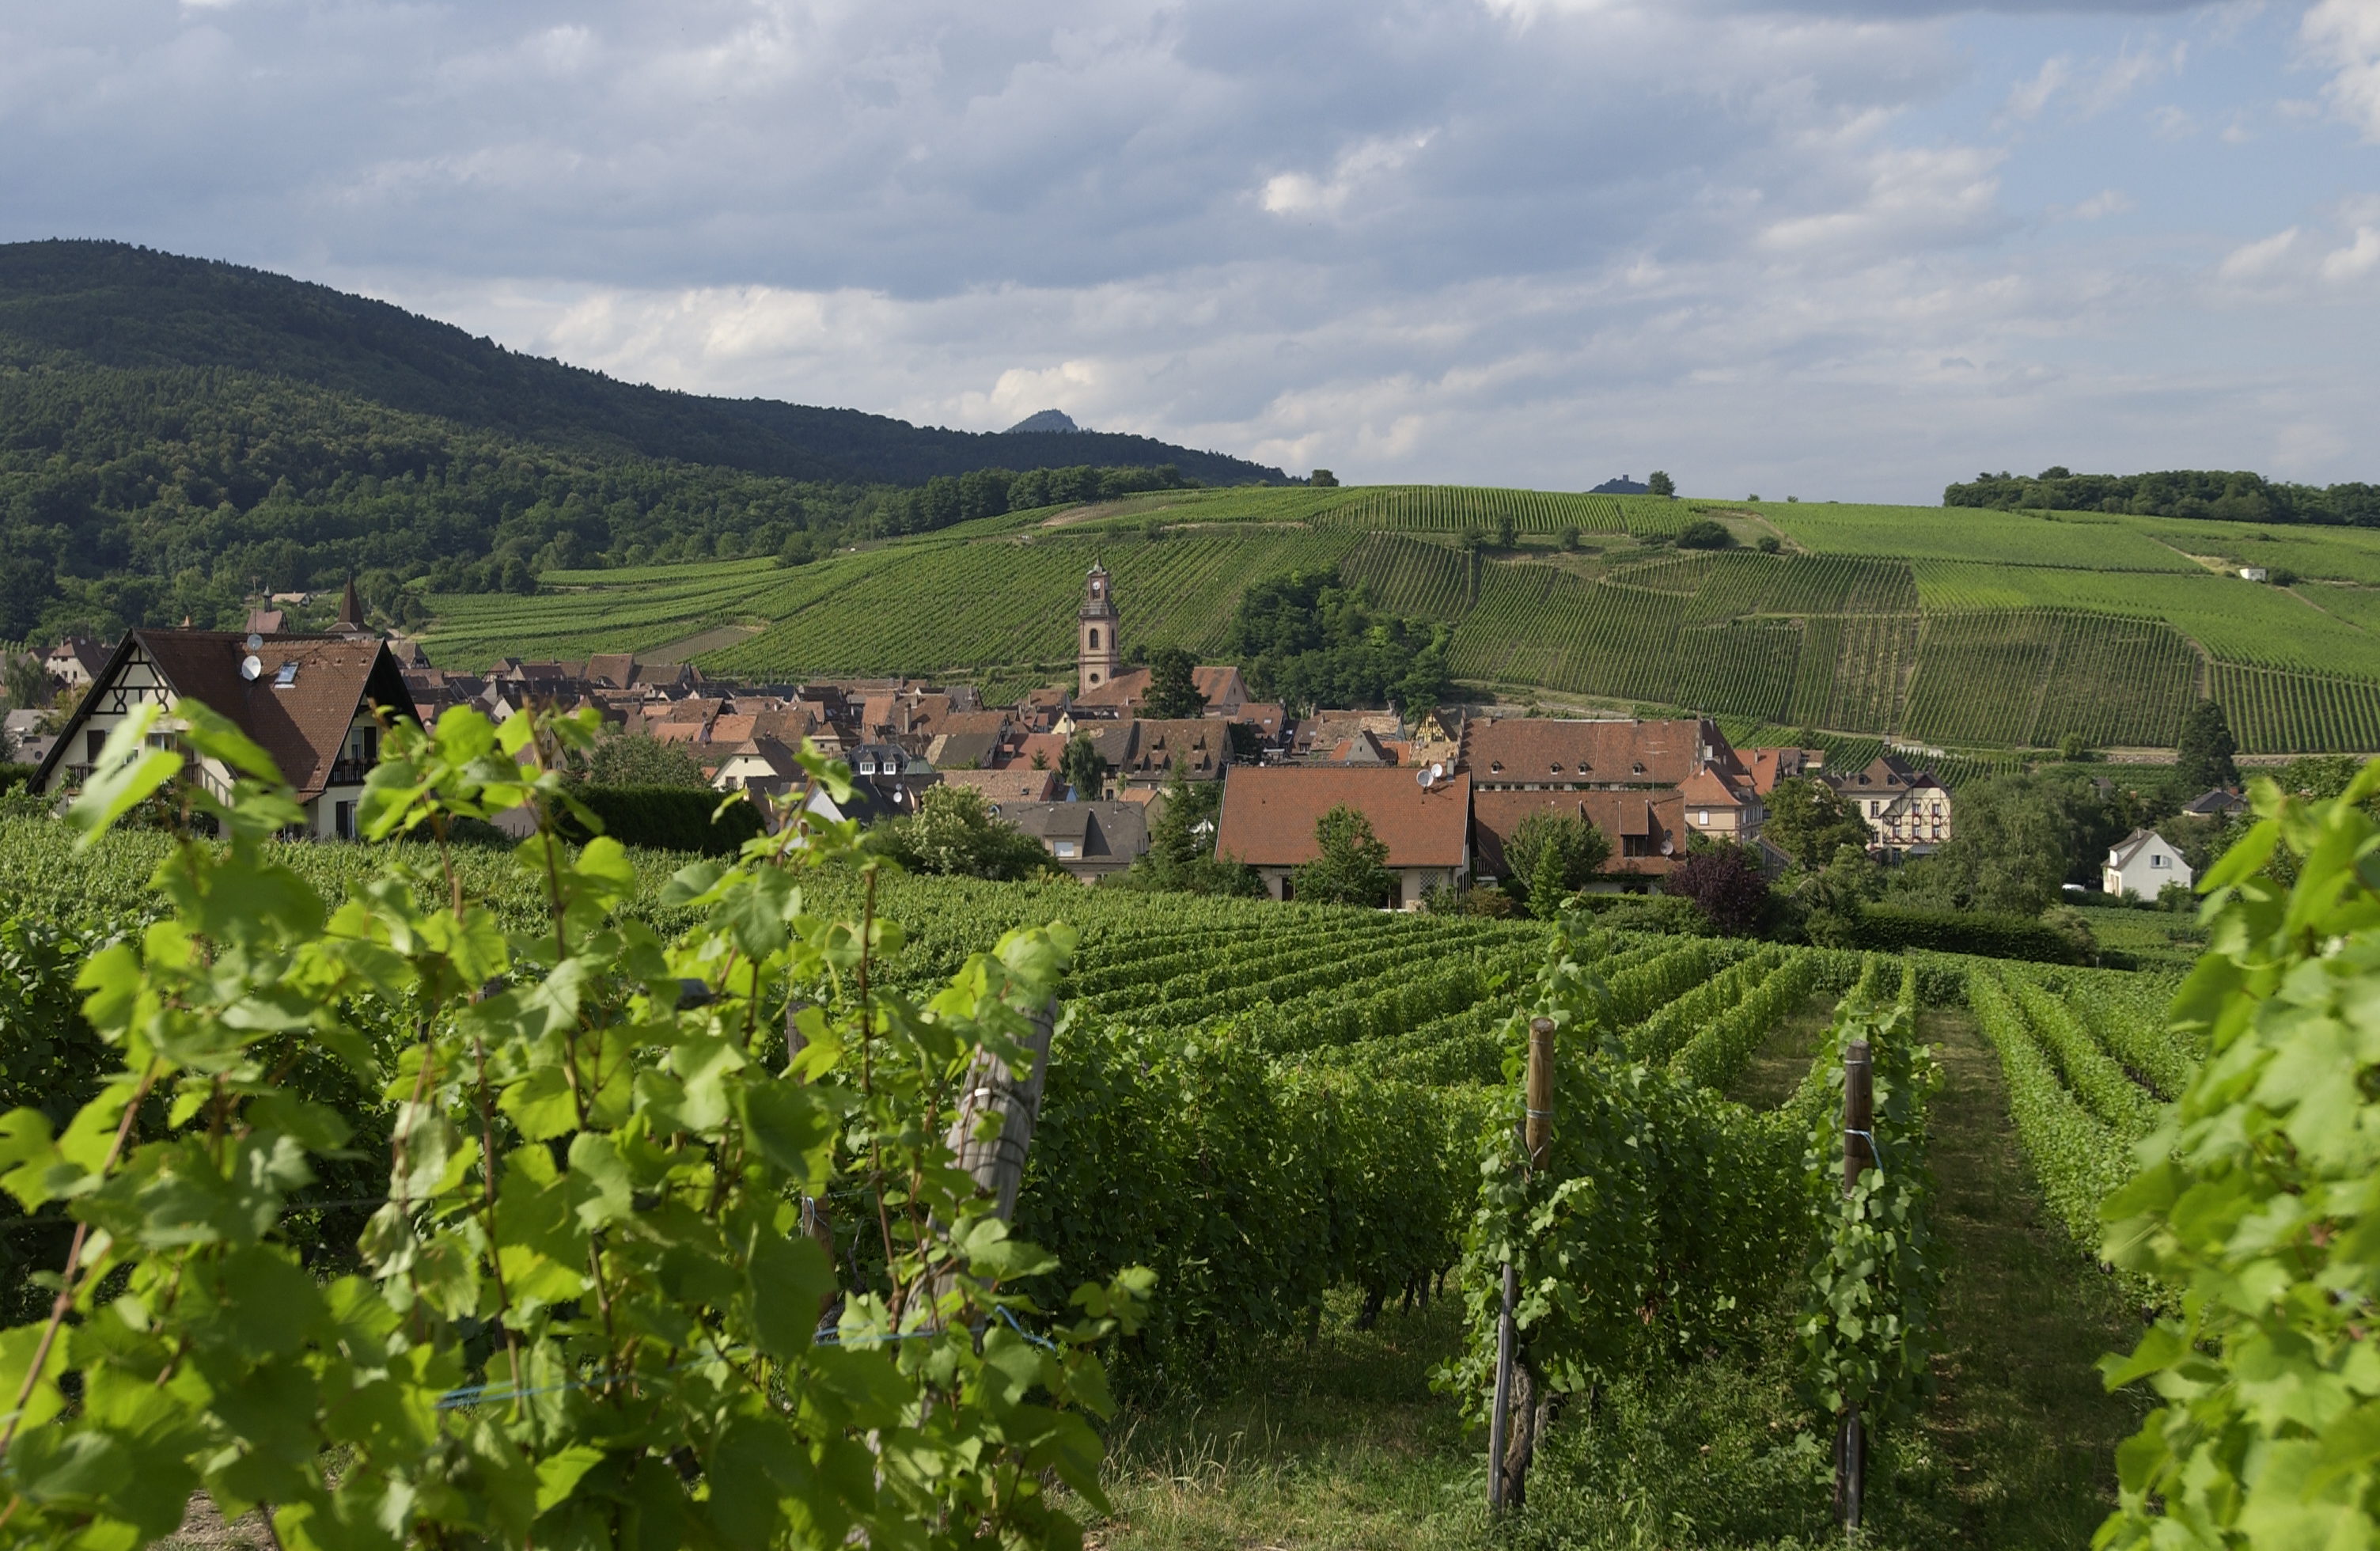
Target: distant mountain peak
[{"x": 1048, "y": 419}]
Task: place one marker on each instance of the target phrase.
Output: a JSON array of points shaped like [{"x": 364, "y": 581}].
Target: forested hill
[{"x": 114, "y": 305}]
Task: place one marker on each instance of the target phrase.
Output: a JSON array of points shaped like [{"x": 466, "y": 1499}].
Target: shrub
[
  {"x": 1705, "y": 534},
  {"x": 667, "y": 818},
  {"x": 1898, "y": 929}
]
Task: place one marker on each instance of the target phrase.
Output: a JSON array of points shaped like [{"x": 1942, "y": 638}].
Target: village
[{"x": 1445, "y": 790}]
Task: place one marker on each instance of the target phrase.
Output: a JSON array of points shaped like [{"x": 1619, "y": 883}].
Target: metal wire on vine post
[{"x": 1507, "y": 1464}]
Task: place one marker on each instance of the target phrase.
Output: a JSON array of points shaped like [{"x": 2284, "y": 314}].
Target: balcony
[{"x": 350, "y": 772}]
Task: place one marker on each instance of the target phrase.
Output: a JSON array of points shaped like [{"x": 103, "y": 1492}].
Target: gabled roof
[
  {"x": 1515, "y": 749},
  {"x": 1117, "y": 832},
  {"x": 1704, "y": 789},
  {"x": 1270, "y": 813},
  {"x": 2132, "y": 846},
  {"x": 1203, "y": 745},
  {"x": 1017, "y": 784},
  {"x": 2219, "y": 801},
  {"x": 1653, "y": 816},
  {"x": 301, "y": 723}
]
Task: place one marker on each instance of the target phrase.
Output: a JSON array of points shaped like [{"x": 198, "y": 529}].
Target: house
[
  {"x": 1016, "y": 783},
  {"x": 1269, "y": 812},
  {"x": 2143, "y": 865},
  {"x": 1766, "y": 767},
  {"x": 1682, "y": 768},
  {"x": 1647, "y": 830},
  {"x": 1323, "y": 734},
  {"x": 1906, "y": 810},
  {"x": 76, "y": 660},
  {"x": 764, "y": 765},
  {"x": 2253, "y": 573},
  {"x": 1199, "y": 746},
  {"x": 2217, "y": 804},
  {"x": 895, "y": 777},
  {"x": 314, "y": 703},
  {"x": 267, "y": 621},
  {"x": 1220, "y": 685},
  {"x": 1089, "y": 840}
]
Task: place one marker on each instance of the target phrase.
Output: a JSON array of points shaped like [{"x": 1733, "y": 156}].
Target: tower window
[{"x": 1095, "y": 638}]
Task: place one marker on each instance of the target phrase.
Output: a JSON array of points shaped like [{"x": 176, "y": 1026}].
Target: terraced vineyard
[{"x": 1976, "y": 631}]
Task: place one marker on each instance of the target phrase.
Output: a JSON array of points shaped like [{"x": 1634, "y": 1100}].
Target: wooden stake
[
  {"x": 1859, "y": 1154},
  {"x": 998, "y": 1165},
  {"x": 1499, "y": 1418},
  {"x": 1537, "y": 1127}
]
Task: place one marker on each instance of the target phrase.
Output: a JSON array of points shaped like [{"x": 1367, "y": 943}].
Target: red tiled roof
[
  {"x": 1704, "y": 789},
  {"x": 1651, "y": 817},
  {"x": 1017, "y": 784},
  {"x": 1270, "y": 813},
  {"x": 1530, "y": 748}
]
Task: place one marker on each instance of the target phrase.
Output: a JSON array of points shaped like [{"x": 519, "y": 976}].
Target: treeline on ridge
[
  {"x": 113, "y": 305},
  {"x": 143, "y": 497},
  {"x": 2182, "y": 492}
]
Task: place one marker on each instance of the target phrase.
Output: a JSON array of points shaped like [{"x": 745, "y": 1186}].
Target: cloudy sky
[{"x": 1837, "y": 248}]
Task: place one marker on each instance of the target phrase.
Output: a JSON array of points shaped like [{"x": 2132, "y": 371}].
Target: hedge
[
  {"x": 1896, "y": 929},
  {"x": 669, "y": 817}
]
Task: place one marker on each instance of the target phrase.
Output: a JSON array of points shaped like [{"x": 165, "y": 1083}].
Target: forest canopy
[{"x": 2240, "y": 497}]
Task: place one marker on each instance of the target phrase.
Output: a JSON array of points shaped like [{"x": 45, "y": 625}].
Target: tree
[
  {"x": 1081, "y": 768},
  {"x": 1702, "y": 533},
  {"x": 954, "y": 833},
  {"x": 1725, "y": 884},
  {"x": 2011, "y": 850},
  {"x": 1352, "y": 866},
  {"x": 1181, "y": 856},
  {"x": 2203, "y": 759},
  {"x": 1507, "y": 533},
  {"x": 1322, "y": 478},
  {"x": 30, "y": 686},
  {"x": 1809, "y": 821},
  {"x": 1173, "y": 685},
  {"x": 1660, "y": 484},
  {"x": 1570, "y": 538},
  {"x": 633, "y": 760},
  {"x": 1558, "y": 850}
]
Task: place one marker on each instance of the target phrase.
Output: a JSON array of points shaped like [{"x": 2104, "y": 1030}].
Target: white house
[
  {"x": 314, "y": 702},
  {"x": 2142, "y": 865}
]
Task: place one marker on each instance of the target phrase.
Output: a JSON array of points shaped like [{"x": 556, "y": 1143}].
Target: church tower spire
[{"x": 1097, "y": 652}]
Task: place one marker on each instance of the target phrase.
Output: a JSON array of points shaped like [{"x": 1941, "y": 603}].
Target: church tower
[{"x": 1097, "y": 651}]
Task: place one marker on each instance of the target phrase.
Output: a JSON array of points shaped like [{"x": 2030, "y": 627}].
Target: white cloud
[
  {"x": 2344, "y": 36},
  {"x": 2026, "y": 99},
  {"x": 2250, "y": 260},
  {"x": 2346, "y": 263},
  {"x": 1297, "y": 194},
  {"x": 2107, "y": 201},
  {"x": 1529, "y": 240}
]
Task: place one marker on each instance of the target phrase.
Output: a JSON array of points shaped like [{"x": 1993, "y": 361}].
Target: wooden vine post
[
  {"x": 1510, "y": 1449},
  {"x": 1859, "y": 1153},
  {"x": 998, "y": 1164}
]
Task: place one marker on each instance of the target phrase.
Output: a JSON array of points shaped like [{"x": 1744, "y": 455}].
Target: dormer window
[
  {"x": 1555, "y": 768},
  {"x": 1638, "y": 768},
  {"x": 1495, "y": 764}
]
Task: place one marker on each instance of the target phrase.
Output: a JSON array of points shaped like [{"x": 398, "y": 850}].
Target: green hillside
[{"x": 1967, "y": 629}]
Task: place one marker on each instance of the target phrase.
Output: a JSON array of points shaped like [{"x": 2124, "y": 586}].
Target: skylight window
[{"x": 287, "y": 677}]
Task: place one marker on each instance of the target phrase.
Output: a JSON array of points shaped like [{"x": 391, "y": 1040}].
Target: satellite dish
[
  {"x": 1421, "y": 779},
  {"x": 1436, "y": 772},
  {"x": 255, "y": 641},
  {"x": 1668, "y": 846},
  {"x": 250, "y": 667}
]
